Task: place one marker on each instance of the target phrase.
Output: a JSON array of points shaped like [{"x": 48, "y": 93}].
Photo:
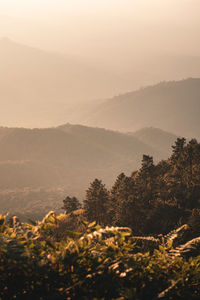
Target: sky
[
  {"x": 82, "y": 27},
  {"x": 105, "y": 33},
  {"x": 31, "y": 7},
  {"x": 145, "y": 9}
]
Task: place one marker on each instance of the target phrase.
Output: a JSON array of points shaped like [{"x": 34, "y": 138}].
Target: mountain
[
  {"x": 45, "y": 165},
  {"x": 172, "y": 106},
  {"x": 71, "y": 155},
  {"x": 39, "y": 88}
]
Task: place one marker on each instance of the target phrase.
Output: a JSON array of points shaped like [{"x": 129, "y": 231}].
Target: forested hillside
[
  {"x": 63, "y": 159},
  {"x": 60, "y": 152},
  {"x": 172, "y": 106}
]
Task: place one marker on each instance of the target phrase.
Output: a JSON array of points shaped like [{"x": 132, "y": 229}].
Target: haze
[
  {"x": 106, "y": 31},
  {"x": 111, "y": 47}
]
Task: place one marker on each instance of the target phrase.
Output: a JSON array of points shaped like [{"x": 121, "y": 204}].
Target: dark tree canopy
[
  {"x": 154, "y": 199},
  {"x": 71, "y": 204},
  {"x": 96, "y": 202}
]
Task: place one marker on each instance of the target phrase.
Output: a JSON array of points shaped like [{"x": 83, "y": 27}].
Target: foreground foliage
[{"x": 37, "y": 262}]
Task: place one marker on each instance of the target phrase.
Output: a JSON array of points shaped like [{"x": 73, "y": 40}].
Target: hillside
[
  {"x": 71, "y": 146},
  {"x": 66, "y": 158},
  {"x": 156, "y": 138},
  {"x": 172, "y": 106},
  {"x": 65, "y": 149}
]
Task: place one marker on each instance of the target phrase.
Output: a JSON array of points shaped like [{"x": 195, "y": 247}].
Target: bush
[{"x": 102, "y": 263}]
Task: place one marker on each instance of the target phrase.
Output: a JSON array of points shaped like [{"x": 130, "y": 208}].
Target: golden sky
[
  {"x": 145, "y": 8},
  {"x": 82, "y": 27}
]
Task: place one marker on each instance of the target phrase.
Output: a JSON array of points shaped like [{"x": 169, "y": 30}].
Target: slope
[
  {"x": 172, "y": 106},
  {"x": 39, "y": 167},
  {"x": 156, "y": 138},
  {"x": 70, "y": 154}
]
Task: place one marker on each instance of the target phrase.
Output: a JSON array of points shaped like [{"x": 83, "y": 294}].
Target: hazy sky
[
  {"x": 154, "y": 10},
  {"x": 82, "y": 26},
  {"x": 99, "y": 30},
  {"x": 20, "y": 7}
]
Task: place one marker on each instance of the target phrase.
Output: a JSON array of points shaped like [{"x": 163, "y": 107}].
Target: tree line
[{"x": 154, "y": 199}]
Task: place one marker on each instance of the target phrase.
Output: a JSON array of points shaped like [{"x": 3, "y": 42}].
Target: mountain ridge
[
  {"x": 65, "y": 159},
  {"x": 166, "y": 105},
  {"x": 71, "y": 149}
]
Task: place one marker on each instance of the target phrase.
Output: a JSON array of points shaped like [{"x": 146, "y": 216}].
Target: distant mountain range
[
  {"x": 40, "y": 88},
  {"x": 43, "y": 75},
  {"x": 73, "y": 155},
  {"x": 172, "y": 106}
]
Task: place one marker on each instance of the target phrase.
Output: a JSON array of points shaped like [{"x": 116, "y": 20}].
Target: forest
[
  {"x": 153, "y": 199},
  {"x": 137, "y": 240}
]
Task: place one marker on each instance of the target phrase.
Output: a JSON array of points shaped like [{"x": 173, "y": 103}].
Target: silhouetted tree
[
  {"x": 145, "y": 181},
  {"x": 178, "y": 148},
  {"x": 96, "y": 203},
  {"x": 71, "y": 204},
  {"x": 123, "y": 194}
]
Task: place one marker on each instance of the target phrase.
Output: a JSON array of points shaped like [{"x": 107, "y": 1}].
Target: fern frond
[
  {"x": 191, "y": 249},
  {"x": 174, "y": 234}
]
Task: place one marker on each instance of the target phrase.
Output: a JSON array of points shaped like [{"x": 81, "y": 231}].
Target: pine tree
[
  {"x": 123, "y": 195},
  {"x": 184, "y": 177},
  {"x": 71, "y": 204},
  {"x": 145, "y": 181},
  {"x": 177, "y": 149},
  {"x": 96, "y": 202}
]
